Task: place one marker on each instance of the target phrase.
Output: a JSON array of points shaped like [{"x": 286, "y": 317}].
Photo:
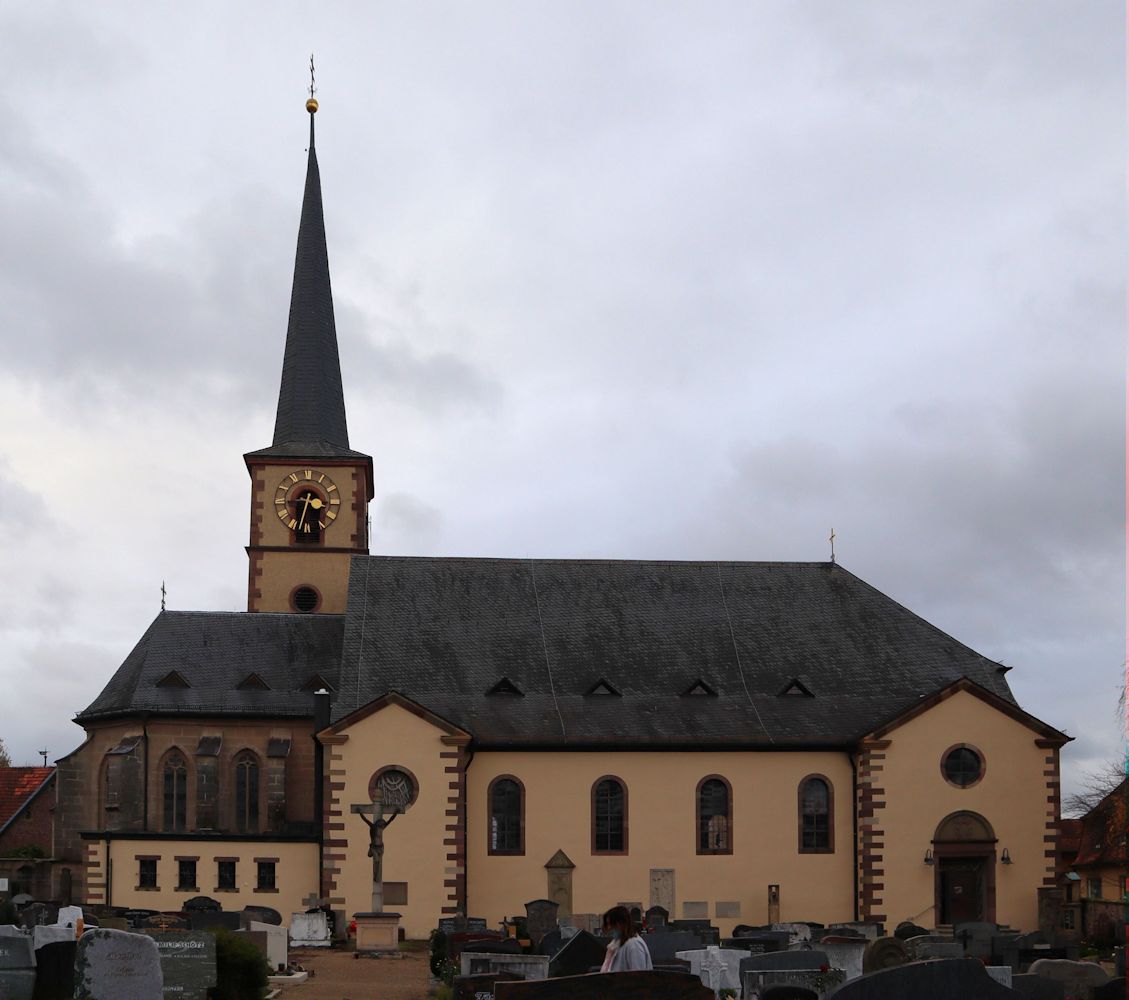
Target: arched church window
[
  {"x": 175, "y": 787},
  {"x": 609, "y": 816},
  {"x": 507, "y": 816},
  {"x": 715, "y": 816},
  {"x": 246, "y": 792},
  {"x": 816, "y": 828}
]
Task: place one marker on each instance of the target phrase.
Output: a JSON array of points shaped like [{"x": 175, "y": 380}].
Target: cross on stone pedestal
[
  {"x": 313, "y": 900},
  {"x": 377, "y": 810},
  {"x": 713, "y": 966}
]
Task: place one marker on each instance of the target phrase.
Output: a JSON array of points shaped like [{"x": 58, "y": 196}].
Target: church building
[{"x": 737, "y": 741}]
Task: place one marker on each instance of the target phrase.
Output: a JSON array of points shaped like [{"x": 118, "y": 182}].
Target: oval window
[{"x": 963, "y": 767}]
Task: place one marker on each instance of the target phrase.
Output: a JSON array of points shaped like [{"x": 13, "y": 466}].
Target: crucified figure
[{"x": 376, "y": 827}]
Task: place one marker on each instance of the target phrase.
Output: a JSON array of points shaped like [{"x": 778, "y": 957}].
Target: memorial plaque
[
  {"x": 188, "y": 963},
  {"x": 116, "y": 965}
]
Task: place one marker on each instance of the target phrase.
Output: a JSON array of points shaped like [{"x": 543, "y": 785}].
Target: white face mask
[{"x": 615, "y": 933}]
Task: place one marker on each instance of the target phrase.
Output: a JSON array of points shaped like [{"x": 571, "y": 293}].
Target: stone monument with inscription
[{"x": 393, "y": 791}]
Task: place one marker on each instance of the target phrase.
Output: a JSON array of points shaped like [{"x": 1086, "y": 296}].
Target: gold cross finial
[
  {"x": 312, "y": 104},
  {"x": 831, "y": 539}
]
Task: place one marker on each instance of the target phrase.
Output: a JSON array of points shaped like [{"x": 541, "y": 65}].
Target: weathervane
[
  {"x": 831, "y": 539},
  {"x": 313, "y": 89},
  {"x": 163, "y": 593}
]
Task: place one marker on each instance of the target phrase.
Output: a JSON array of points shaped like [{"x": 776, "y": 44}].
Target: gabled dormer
[
  {"x": 602, "y": 688},
  {"x": 252, "y": 682},
  {"x": 506, "y": 687},
  {"x": 795, "y": 688},
  {"x": 699, "y": 689},
  {"x": 173, "y": 679}
]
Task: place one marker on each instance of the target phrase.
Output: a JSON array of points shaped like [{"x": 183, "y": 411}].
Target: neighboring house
[
  {"x": 1095, "y": 883},
  {"x": 738, "y": 741},
  {"x": 27, "y": 801}
]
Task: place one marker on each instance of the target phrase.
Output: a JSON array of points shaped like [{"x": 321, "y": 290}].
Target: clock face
[{"x": 307, "y": 502}]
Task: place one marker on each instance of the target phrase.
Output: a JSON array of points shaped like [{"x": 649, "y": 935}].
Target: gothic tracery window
[
  {"x": 175, "y": 788},
  {"x": 246, "y": 792}
]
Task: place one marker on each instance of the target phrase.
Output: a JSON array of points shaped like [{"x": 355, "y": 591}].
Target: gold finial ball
[{"x": 311, "y": 105}]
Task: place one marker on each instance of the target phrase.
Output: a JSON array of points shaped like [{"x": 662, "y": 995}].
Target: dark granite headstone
[
  {"x": 54, "y": 971},
  {"x": 492, "y": 946},
  {"x": 578, "y": 955},
  {"x": 188, "y": 963},
  {"x": 214, "y": 920},
  {"x": 761, "y": 942},
  {"x": 481, "y": 986},
  {"x": 789, "y": 993},
  {"x": 609, "y": 986},
  {"x": 197, "y": 903},
  {"x": 1119, "y": 960},
  {"x": 665, "y": 947},
  {"x": 137, "y": 917},
  {"x": 945, "y": 979},
  {"x": 551, "y": 943},
  {"x": 908, "y": 929},
  {"x": 1113, "y": 990},
  {"x": 39, "y": 913},
  {"x": 457, "y": 940},
  {"x": 790, "y": 960},
  {"x": 261, "y": 915},
  {"x": 540, "y": 918},
  {"x": 457, "y": 924},
  {"x": 17, "y": 968},
  {"x": 885, "y": 953},
  {"x": 114, "y": 965},
  {"x": 1037, "y": 987},
  {"x": 656, "y": 916},
  {"x": 162, "y": 922},
  {"x": 843, "y": 932},
  {"x": 707, "y": 934},
  {"x": 976, "y": 936}
]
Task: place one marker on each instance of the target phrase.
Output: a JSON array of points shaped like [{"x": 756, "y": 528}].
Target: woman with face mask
[{"x": 627, "y": 951}]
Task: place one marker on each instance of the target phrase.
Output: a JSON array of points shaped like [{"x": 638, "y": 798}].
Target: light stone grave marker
[
  {"x": 17, "y": 968},
  {"x": 117, "y": 965}
]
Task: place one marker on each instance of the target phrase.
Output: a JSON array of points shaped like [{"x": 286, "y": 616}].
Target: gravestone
[
  {"x": 653, "y": 985},
  {"x": 72, "y": 916},
  {"x": 492, "y": 946},
  {"x": 1079, "y": 978},
  {"x": 481, "y": 986},
  {"x": 116, "y": 965},
  {"x": 885, "y": 953},
  {"x": 526, "y": 966},
  {"x": 136, "y": 917},
  {"x": 558, "y": 881},
  {"x": 310, "y": 930},
  {"x": 188, "y": 963},
  {"x": 908, "y": 929},
  {"x": 1113, "y": 990},
  {"x": 49, "y": 935},
  {"x": 835, "y": 930},
  {"x": 1000, "y": 973},
  {"x": 1019, "y": 951},
  {"x": 763, "y": 941},
  {"x": 944, "y": 979},
  {"x": 261, "y": 915},
  {"x": 578, "y": 955},
  {"x": 590, "y": 922},
  {"x": 1119, "y": 960},
  {"x": 551, "y": 943},
  {"x": 933, "y": 946},
  {"x": 790, "y": 960},
  {"x": 39, "y": 913},
  {"x": 162, "y": 922},
  {"x": 707, "y": 934},
  {"x": 867, "y": 928},
  {"x": 656, "y": 917},
  {"x": 17, "y": 968},
  {"x": 540, "y": 918},
  {"x": 789, "y": 991},
  {"x": 845, "y": 953},
  {"x": 215, "y": 920},
  {"x": 1037, "y": 987},
  {"x": 458, "y": 941},
  {"x": 976, "y": 936},
  {"x": 664, "y": 947},
  {"x": 717, "y": 969},
  {"x": 54, "y": 970},
  {"x": 114, "y": 923},
  {"x": 201, "y": 903},
  {"x": 792, "y": 982},
  {"x": 460, "y": 923},
  {"x": 278, "y": 954},
  {"x": 798, "y": 933},
  {"x": 11, "y": 930}
]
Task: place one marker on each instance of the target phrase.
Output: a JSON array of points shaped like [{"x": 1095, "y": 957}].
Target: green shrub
[
  {"x": 437, "y": 943},
  {"x": 241, "y": 969}
]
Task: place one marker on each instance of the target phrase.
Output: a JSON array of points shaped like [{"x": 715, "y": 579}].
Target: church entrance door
[
  {"x": 962, "y": 889},
  {"x": 964, "y": 853}
]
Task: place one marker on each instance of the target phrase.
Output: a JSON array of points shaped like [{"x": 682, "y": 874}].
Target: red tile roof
[
  {"x": 1069, "y": 836},
  {"x": 1104, "y": 831},
  {"x": 17, "y": 785}
]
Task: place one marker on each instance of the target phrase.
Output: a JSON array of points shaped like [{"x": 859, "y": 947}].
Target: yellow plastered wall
[
  {"x": 662, "y": 834},
  {"x": 414, "y": 851},
  {"x": 296, "y": 874},
  {"x": 1012, "y": 797},
  {"x": 328, "y": 572}
]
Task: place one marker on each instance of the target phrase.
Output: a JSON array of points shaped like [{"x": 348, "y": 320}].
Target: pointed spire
[{"x": 311, "y": 405}]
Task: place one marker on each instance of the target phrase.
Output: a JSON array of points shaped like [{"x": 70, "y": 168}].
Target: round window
[
  {"x": 305, "y": 599},
  {"x": 963, "y": 767}
]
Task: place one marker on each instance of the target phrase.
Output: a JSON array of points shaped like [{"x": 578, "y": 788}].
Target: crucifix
[
  {"x": 713, "y": 965},
  {"x": 376, "y": 826}
]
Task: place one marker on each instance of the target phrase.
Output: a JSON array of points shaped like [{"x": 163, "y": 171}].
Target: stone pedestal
[{"x": 378, "y": 932}]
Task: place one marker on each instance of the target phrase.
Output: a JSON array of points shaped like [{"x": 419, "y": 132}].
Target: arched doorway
[{"x": 964, "y": 852}]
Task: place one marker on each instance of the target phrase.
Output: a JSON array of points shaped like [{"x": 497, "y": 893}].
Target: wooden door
[{"x": 962, "y": 889}]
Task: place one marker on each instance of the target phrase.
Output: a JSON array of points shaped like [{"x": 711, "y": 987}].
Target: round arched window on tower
[
  {"x": 305, "y": 599},
  {"x": 962, "y": 765}
]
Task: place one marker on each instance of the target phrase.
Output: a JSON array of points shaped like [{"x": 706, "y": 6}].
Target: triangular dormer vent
[
  {"x": 316, "y": 683},
  {"x": 506, "y": 686},
  {"x": 699, "y": 687},
  {"x": 796, "y": 687},
  {"x": 173, "y": 679},
  {"x": 602, "y": 687},
  {"x": 252, "y": 682}
]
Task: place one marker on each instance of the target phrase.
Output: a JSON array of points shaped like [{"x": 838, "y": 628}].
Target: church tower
[{"x": 309, "y": 491}]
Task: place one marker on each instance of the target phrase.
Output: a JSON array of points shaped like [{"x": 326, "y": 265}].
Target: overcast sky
[{"x": 638, "y": 280}]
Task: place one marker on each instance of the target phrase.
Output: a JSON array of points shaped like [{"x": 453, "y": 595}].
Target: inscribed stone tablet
[
  {"x": 116, "y": 965},
  {"x": 16, "y": 953},
  {"x": 188, "y": 962}
]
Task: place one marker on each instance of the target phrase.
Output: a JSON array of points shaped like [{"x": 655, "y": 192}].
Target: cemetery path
[{"x": 338, "y": 975}]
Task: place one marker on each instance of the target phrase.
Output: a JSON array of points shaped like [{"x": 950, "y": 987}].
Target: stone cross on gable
[{"x": 713, "y": 965}]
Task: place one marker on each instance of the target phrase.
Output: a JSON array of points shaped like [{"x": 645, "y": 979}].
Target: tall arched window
[
  {"x": 246, "y": 792},
  {"x": 609, "y": 816},
  {"x": 507, "y": 816},
  {"x": 816, "y": 828},
  {"x": 175, "y": 786},
  {"x": 715, "y": 816}
]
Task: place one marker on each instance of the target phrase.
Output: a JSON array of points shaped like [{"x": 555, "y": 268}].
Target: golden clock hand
[{"x": 305, "y": 510}]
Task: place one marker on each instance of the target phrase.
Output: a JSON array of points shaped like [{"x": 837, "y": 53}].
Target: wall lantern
[
  {"x": 929, "y": 856},
  {"x": 1005, "y": 858}
]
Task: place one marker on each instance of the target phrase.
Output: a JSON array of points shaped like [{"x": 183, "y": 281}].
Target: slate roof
[
  {"x": 216, "y": 651},
  {"x": 18, "y": 786},
  {"x": 444, "y": 631},
  {"x": 310, "y": 421}
]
